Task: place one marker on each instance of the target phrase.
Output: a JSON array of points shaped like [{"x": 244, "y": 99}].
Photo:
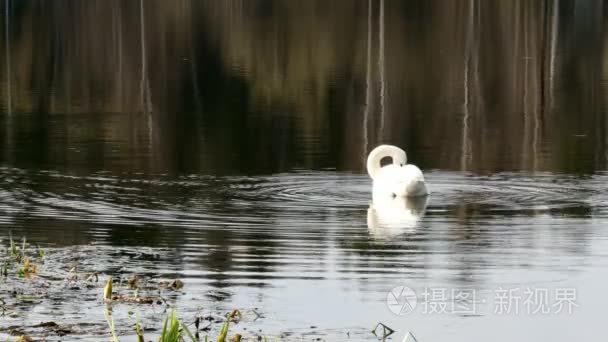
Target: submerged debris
[
  {"x": 47, "y": 327},
  {"x": 55, "y": 328},
  {"x": 132, "y": 282},
  {"x": 94, "y": 275},
  {"x": 134, "y": 300},
  {"x": 175, "y": 284}
]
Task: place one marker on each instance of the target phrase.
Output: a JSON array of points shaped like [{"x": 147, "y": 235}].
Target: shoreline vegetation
[{"x": 22, "y": 263}]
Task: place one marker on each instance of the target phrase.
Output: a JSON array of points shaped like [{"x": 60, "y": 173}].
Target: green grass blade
[{"x": 189, "y": 333}]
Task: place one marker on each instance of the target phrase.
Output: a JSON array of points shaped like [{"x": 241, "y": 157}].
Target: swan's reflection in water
[{"x": 388, "y": 217}]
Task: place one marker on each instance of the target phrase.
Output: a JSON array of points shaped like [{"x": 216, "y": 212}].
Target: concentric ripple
[{"x": 200, "y": 202}]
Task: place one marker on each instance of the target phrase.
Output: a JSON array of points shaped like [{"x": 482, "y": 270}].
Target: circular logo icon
[{"x": 401, "y": 300}]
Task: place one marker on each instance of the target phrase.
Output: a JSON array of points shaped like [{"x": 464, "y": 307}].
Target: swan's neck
[{"x": 382, "y": 151}]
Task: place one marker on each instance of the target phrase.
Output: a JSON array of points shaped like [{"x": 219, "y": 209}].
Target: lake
[{"x": 223, "y": 143}]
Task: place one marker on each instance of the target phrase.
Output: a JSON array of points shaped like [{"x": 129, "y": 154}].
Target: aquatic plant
[
  {"x": 224, "y": 331},
  {"x": 173, "y": 330},
  {"x": 17, "y": 259},
  {"x": 139, "y": 331},
  {"x": 23, "y": 244},
  {"x": 26, "y": 269},
  {"x": 12, "y": 251},
  {"x": 189, "y": 333},
  {"x": 111, "y": 325},
  {"x": 41, "y": 253},
  {"x": 107, "y": 290}
]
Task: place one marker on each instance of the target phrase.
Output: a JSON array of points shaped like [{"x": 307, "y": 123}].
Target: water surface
[{"x": 224, "y": 144}]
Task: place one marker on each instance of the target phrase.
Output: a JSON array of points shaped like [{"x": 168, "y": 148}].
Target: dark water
[{"x": 223, "y": 143}]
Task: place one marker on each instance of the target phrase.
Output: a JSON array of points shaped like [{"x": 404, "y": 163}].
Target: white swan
[{"x": 398, "y": 179}]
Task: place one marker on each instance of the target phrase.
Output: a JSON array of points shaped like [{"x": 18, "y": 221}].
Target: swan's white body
[
  {"x": 388, "y": 217},
  {"x": 398, "y": 179}
]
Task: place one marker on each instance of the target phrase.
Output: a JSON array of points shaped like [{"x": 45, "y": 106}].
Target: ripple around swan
[
  {"x": 201, "y": 202},
  {"x": 305, "y": 191},
  {"x": 517, "y": 192}
]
